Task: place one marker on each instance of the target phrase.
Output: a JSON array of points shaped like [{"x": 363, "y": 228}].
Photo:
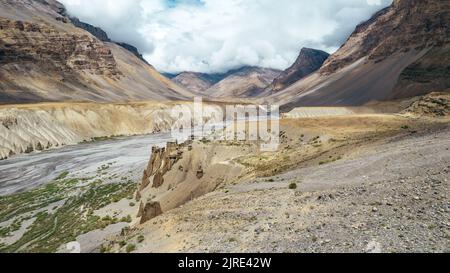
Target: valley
[
  {"x": 338, "y": 184},
  {"x": 325, "y": 166},
  {"x": 291, "y": 150}
]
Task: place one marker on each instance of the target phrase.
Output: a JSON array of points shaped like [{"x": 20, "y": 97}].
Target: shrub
[
  {"x": 293, "y": 186},
  {"x": 130, "y": 248},
  {"x": 62, "y": 175},
  {"x": 126, "y": 219},
  {"x": 140, "y": 238}
]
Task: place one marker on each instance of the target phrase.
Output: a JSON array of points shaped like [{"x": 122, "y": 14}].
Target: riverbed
[{"x": 126, "y": 155}]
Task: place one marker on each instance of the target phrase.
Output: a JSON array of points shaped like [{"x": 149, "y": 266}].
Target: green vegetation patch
[
  {"x": 63, "y": 175},
  {"x": 74, "y": 217}
]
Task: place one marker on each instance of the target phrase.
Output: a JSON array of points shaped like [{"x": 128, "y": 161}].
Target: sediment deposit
[{"x": 27, "y": 128}]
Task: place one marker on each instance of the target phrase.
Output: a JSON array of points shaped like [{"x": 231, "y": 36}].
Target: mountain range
[
  {"x": 251, "y": 81},
  {"x": 246, "y": 81},
  {"x": 48, "y": 55}
]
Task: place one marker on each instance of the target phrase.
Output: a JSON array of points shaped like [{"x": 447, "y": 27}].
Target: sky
[{"x": 213, "y": 36}]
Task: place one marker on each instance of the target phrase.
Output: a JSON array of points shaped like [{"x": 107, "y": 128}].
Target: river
[{"x": 128, "y": 155}]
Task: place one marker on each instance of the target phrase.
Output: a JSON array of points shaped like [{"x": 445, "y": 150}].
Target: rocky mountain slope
[
  {"x": 45, "y": 57},
  {"x": 244, "y": 82},
  {"x": 195, "y": 82},
  {"x": 240, "y": 82},
  {"x": 309, "y": 61},
  {"x": 402, "y": 51}
]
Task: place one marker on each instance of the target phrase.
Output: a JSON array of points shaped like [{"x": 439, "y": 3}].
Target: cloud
[{"x": 218, "y": 35}]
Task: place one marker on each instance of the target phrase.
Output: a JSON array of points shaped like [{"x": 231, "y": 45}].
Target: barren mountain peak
[{"x": 307, "y": 62}]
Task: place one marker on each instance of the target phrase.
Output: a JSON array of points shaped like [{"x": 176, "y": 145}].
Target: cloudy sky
[{"x": 218, "y": 35}]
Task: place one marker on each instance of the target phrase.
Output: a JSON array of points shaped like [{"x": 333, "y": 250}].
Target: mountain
[
  {"x": 96, "y": 31},
  {"x": 133, "y": 50},
  {"x": 244, "y": 82},
  {"x": 199, "y": 82},
  {"x": 309, "y": 61},
  {"x": 402, "y": 51},
  {"x": 195, "y": 82},
  {"x": 45, "y": 56},
  {"x": 101, "y": 34}
]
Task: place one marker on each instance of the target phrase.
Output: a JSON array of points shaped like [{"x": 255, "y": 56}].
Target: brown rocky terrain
[
  {"x": 435, "y": 105},
  {"x": 180, "y": 173},
  {"x": 245, "y": 82},
  {"x": 195, "y": 82},
  {"x": 402, "y": 51},
  {"x": 45, "y": 57},
  {"x": 309, "y": 61},
  {"x": 350, "y": 183},
  {"x": 372, "y": 176},
  {"x": 405, "y": 25}
]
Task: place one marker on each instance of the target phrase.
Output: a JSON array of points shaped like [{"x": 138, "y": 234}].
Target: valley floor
[
  {"x": 384, "y": 188},
  {"x": 351, "y": 183}
]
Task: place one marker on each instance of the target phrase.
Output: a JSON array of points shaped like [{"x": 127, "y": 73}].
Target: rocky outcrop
[
  {"x": 161, "y": 161},
  {"x": 25, "y": 43},
  {"x": 133, "y": 50},
  {"x": 149, "y": 211},
  {"x": 431, "y": 72},
  {"x": 98, "y": 33},
  {"x": 433, "y": 105},
  {"x": 95, "y": 31},
  {"x": 179, "y": 173},
  {"x": 309, "y": 61}
]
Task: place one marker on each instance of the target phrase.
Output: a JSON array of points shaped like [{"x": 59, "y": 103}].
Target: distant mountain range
[
  {"x": 246, "y": 81},
  {"x": 251, "y": 81},
  {"x": 46, "y": 55}
]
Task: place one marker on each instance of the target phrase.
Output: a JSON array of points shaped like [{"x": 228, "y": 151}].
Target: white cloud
[{"x": 217, "y": 35}]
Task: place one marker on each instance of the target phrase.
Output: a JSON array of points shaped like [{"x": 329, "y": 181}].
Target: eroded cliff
[{"x": 182, "y": 172}]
